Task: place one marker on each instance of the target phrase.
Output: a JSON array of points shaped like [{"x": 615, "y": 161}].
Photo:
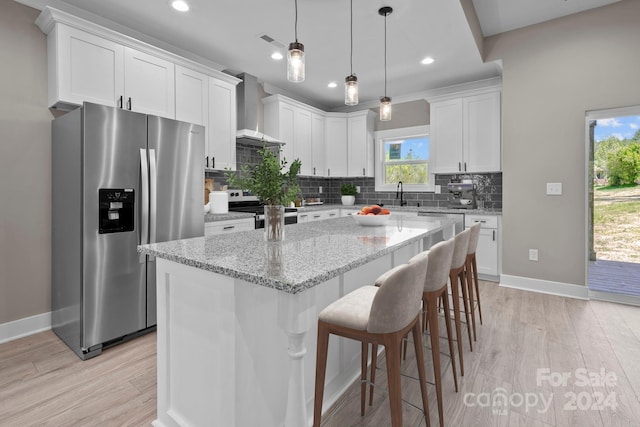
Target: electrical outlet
[
  {"x": 533, "y": 255},
  {"x": 358, "y": 189},
  {"x": 438, "y": 189},
  {"x": 320, "y": 189}
]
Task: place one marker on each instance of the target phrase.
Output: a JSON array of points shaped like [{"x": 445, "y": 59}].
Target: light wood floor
[{"x": 42, "y": 383}]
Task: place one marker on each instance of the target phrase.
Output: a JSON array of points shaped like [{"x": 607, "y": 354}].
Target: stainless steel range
[{"x": 244, "y": 201}]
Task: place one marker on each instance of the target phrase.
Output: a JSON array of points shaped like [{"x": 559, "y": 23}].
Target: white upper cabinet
[
  {"x": 336, "y": 144},
  {"x": 465, "y": 133},
  {"x": 83, "y": 67},
  {"x": 149, "y": 84},
  {"x": 482, "y": 132},
  {"x": 318, "y": 144},
  {"x": 296, "y": 125},
  {"x": 221, "y": 146},
  {"x": 302, "y": 138},
  {"x": 360, "y": 144},
  {"x": 192, "y": 96},
  {"x": 91, "y": 63}
]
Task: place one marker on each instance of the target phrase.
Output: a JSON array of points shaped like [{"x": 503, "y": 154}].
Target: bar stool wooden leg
[
  {"x": 422, "y": 377},
  {"x": 447, "y": 321},
  {"x": 465, "y": 301},
  {"x": 474, "y": 267},
  {"x": 469, "y": 283},
  {"x": 455, "y": 295},
  {"x": 372, "y": 377},
  {"x": 321, "y": 362},
  {"x": 432, "y": 314},
  {"x": 363, "y": 375},
  {"x": 392, "y": 353}
]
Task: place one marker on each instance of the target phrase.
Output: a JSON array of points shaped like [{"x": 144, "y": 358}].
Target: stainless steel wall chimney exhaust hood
[{"x": 247, "y": 99}]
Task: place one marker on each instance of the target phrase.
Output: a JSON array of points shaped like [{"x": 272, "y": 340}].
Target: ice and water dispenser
[{"x": 116, "y": 210}]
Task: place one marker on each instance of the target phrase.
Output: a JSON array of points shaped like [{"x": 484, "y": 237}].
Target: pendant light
[
  {"x": 295, "y": 56},
  {"x": 385, "y": 101},
  {"x": 351, "y": 81}
]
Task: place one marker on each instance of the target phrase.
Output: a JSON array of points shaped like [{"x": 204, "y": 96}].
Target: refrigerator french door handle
[
  {"x": 153, "y": 180},
  {"x": 144, "y": 201}
]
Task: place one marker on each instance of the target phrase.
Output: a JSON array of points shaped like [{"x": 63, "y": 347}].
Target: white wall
[
  {"x": 25, "y": 166},
  {"x": 553, "y": 73}
]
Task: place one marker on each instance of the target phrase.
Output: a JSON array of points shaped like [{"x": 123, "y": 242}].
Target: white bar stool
[{"x": 381, "y": 314}]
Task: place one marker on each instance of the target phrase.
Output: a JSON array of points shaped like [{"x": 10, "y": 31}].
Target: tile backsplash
[{"x": 489, "y": 186}]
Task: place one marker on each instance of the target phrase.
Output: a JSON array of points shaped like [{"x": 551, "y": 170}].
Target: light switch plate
[
  {"x": 554, "y": 188},
  {"x": 358, "y": 189},
  {"x": 438, "y": 189}
]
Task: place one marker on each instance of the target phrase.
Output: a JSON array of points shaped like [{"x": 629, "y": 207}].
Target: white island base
[{"x": 234, "y": 353}]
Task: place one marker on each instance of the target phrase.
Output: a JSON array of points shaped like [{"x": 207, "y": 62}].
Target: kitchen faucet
[{"x": 400, "y": 189}]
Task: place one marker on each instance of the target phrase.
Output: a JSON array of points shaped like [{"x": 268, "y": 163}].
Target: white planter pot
[{"x": 348, "y": 200}]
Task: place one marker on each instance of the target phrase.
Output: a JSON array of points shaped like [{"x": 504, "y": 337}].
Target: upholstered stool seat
[{"x": 377, "y": 315}]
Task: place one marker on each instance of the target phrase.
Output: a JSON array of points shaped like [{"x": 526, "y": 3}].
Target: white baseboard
[
  {"x": 545, "y": 286},
  {"x": 23, "y": 327}
]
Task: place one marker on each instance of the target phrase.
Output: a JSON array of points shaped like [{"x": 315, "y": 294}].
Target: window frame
[{"x": 381, "y": 137}]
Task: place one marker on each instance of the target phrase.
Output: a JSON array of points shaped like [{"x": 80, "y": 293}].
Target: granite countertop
[
  {"x": 209, "y": 217},
  {"x": 311, "y": 253},
  {"x": 393, "y": 208}
]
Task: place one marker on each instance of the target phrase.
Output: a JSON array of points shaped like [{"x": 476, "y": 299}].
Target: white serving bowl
[{"x": 370, "y": 220}]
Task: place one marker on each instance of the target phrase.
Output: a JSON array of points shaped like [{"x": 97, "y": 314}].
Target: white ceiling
[{"x": 227, "y": 33}]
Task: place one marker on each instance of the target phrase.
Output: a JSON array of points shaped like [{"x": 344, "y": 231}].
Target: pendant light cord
[
  {"x": 385, "y": 55},
  {"x": 296, "y": 21},
  {"x": 351, "y": 60}
]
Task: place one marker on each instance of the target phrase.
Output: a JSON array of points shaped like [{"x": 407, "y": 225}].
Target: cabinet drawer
[
  {"x": 231, "y": 226},
  {"x": 487, "y": 221}
]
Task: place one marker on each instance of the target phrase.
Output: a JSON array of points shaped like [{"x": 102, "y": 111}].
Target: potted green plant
[
  {"x": 273, "y": 184},
  {"x": 348, "y": 192}
]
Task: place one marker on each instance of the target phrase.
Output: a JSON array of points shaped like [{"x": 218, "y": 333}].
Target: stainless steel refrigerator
[{"x": 119, "y": 179}]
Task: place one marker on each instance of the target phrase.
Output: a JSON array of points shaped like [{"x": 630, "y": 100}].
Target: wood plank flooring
[{"x": 43, "y": 383}]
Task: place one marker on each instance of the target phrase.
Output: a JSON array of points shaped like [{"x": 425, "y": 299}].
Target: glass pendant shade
[
  {"x": 295, "y": 62},
  {"x": 351, "y": 90},
  {"x": 385, "y": 109}
]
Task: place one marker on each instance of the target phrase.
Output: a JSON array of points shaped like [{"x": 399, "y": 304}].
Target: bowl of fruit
[{"x": 372, "y": 216}]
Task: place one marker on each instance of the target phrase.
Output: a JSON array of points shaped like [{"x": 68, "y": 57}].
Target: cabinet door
[
  {"x": 360, "y": 147},
  {"x": 482, "y": 132},
  {"x": 192, "y": 96},
  {"x": 286, "y": 120},
  {"x": 149, "y": 84},
  {"x": 446, "y": 136},
  {"x": 222, "y": 125},
  {"x": 336, "y": 146},
  {"x": 317, "y": 145},
  {"x": 84, "y": 67},
  {"x": 487, "y": 252},
  {"x": 302, "y": 141}
]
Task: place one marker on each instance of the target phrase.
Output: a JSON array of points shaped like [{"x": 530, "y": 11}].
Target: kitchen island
[{"x": 237, "y": 317}]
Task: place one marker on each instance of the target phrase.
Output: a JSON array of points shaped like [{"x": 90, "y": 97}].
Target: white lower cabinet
[
  {"x": 229, "y": 226},
  {"x": 487, "y": 251},
  {"x": 318, "y": 215}
]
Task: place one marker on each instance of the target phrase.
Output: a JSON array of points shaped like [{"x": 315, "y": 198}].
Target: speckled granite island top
[{"x": 311, "y": 253}]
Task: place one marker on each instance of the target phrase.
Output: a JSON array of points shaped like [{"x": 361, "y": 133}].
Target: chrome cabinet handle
[
  {"x": 129, "y": 104},
  {"x": 120, "y": 101},
  {"x": 494, "y": 235},
  {"x": 465, "y": 166},
  {"x": 363, "y": 172},
  {"x": 229, "y": 227},
  {"x": 459, "y": 167},
  {"x": 314, "y": 170}
]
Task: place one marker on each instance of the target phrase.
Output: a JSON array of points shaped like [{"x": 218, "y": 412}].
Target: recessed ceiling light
[
  {"x": 180, "y": 5},
  {"x": 277, "y": 56},
  {"x": 427, "y": 60},
  {"x": 332, "y": 84}
]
